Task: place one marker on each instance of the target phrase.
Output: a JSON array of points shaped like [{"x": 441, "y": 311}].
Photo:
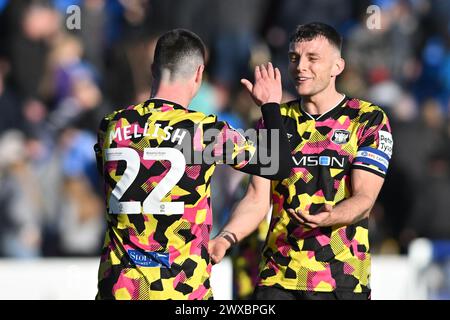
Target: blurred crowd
[{"x": 56, "y": 82}]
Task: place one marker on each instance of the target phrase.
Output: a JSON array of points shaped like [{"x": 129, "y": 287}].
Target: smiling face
[{"x": 314, "y": 65}]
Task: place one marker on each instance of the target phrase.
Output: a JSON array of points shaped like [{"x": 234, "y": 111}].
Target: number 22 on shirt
[{"x": 152, "y": 204}]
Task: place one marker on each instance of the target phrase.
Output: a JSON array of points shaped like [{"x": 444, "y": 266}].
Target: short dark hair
[
  {"x": 179, "y": 51},
  {"x": 310, "y": 31}
]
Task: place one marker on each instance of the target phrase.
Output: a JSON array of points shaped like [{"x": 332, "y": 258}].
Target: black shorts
[{"x": 276, "y": 293}]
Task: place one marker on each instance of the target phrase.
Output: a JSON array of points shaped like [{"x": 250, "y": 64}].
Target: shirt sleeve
[
  {"x": 232, "y": 147},
  {"x": 375, "y": 143}
]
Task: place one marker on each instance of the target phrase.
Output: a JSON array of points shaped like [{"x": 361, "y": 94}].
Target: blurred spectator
[
  {"x": 429, "y": 217},
  {"x": 85, "y": 105},
  {"x": 39, "y": 25},
  {"x": 9, "y": 103},
  {"x": 384, "y": 53},
  {"x": 64, "y": 64},
  {"x": 418, "y": 133},
  {"x": 417, "y": 140},
  {"x": 80, "y": 223},
  {"x": 20, "y": 200},
  {"x": 236, "y": 25}
]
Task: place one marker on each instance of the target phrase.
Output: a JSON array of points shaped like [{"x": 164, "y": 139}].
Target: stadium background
[{"x": 57, "y": 79}]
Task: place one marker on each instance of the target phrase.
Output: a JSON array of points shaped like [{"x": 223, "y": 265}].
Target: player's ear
[
  {"x": 197, "y": 79},
  {"x": 338, "y": 67},
  {"x": 199, "y": 74}
]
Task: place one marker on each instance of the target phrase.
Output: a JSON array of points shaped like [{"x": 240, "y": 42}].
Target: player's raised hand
[{"x": 267, "y": 86}]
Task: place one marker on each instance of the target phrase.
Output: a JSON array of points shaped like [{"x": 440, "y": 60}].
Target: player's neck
[
  {"x": 322, "y": 102},
  {"x": 174, "y": 93}
]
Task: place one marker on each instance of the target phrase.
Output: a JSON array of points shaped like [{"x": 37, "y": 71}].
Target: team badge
[{"x": 340, "y": 136}]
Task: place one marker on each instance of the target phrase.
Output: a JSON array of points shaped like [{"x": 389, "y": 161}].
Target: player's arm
[
  {"x": 267, "y": 92},
  {"x": 367, "y": 176},
  {"x": 365, "y": 189},
  {"x": 245, "y": 218}
]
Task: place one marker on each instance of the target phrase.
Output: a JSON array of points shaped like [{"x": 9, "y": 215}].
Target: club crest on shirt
[{"x": 340, "y": 136}]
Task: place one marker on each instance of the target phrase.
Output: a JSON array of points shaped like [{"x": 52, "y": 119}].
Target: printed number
[{"x": 152, "y": 203}]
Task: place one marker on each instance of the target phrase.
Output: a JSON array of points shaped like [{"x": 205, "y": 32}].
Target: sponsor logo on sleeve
[
  {"x": 385, "y": 142},
  {"x": 374, "y": 157},
  {"x": 368, "y": 156}
]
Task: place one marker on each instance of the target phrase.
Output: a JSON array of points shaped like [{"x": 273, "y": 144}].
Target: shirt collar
[
  {"x": 326, "y": 114},
  {"x": 162, "y": 103}
]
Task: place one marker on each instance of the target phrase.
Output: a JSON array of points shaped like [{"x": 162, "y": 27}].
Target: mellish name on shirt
[{"x": 133, "y": 131}]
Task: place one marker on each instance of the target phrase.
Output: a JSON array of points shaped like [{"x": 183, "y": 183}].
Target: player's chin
[{"x": 302, "y": 90}]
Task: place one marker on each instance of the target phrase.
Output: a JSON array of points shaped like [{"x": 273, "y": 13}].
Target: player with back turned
[{"x": 157, "y": 159}]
